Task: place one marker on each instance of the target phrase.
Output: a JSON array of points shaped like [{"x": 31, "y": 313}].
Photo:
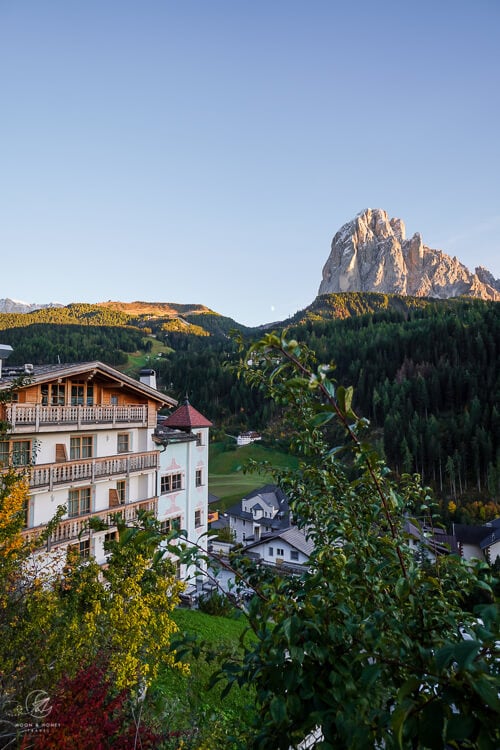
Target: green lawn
[
  {"x": 216, "y": 629},
  {"x": 227, "y": 479}
]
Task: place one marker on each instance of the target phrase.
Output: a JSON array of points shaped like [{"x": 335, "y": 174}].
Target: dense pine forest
[
  {"x": 424, "y": 372},
  {"x": 428, "y": 378}
]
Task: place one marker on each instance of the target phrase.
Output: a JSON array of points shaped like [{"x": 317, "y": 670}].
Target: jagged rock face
[
  {"x": 8, "y": 305},
  {"x": 371, "y": 254}
]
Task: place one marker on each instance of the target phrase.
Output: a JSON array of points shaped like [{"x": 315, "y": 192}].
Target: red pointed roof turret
[{"x": 186, "y": 417}]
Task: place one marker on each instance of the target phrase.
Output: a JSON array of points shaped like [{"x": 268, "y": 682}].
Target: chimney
[
  {"x": 148, "y": 377},
  {"x": 5, "y": 352}
]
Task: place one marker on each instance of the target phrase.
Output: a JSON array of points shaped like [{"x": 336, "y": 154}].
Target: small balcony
[
  {"x": 74, "y": 529},
  {"x": 35, "y": 417},
  {"x": 47, "y": 476}
]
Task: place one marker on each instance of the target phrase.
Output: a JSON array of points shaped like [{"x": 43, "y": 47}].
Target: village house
[
  {"x": 87, "y": 436},
  {"x": 245, "y": 438},
  {"x": 289, "y": 548},
  {"x": 478, "y": 542},
  {"x": 261, "y": 511},
  {"x": 261, "y": 525}
]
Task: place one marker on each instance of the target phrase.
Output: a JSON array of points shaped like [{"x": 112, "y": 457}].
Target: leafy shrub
[{"x": 216, "y": 603}]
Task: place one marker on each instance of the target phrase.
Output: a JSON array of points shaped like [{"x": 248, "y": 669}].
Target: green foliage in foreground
[
  {"x": 185, "y": 701},
  {"x": 63, "y": 618},
  {"x": 370, "y": 644}
]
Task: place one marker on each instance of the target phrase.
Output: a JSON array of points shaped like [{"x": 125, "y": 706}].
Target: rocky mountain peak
[
  {"x": 8, "y": 305},
  {"x": 371, "y": 254}
]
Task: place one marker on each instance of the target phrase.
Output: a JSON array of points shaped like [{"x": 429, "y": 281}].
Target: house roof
[
  {"x": 294, "y": 536},
  {"x": 491, "y": 538},
  {"x": 480, "y": 536},
  {"x": 187, "y": 417},
  {"x": 236, "y": 511},
  {"x": 266, "y": 489},
  {"x": 272, "y": 496},
  {"x": 297, "y": 538},
  {"x": 468, "y": 534},
  {"x": 47, "y": 373},
  {"x": 436, "y": 539}
]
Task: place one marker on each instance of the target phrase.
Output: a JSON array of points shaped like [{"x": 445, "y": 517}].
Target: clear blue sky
[{"x": 206, "y": 151}]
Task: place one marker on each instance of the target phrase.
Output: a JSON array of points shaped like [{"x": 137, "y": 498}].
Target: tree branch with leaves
[{"x": 369, "y": 644}]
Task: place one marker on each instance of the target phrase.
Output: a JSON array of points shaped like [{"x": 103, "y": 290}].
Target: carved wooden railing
[
  {"x": 91, "y": 469},
  {"x": 75, "y": 528},
  {"x": 36, "y": 415}
]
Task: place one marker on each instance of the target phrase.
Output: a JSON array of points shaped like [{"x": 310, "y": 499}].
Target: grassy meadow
[
  {"x": 227, "y": 478},
  {"x": 138, "y": 360}
]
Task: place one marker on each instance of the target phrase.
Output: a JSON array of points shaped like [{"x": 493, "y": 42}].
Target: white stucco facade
[
  {"x": 183, "y": 485},
  {"x": 87, "y": 438}
]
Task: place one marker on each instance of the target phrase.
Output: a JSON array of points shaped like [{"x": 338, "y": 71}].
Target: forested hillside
[
  {"x": 109, "y": 332},
  {"x": 429, "y": 377},
  {"x": 45, "y": 343},
  {"x": 424, "y": 372}
]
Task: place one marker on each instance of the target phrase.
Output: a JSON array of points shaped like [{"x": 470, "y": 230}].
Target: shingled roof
[{"x": 186, "y": 417}]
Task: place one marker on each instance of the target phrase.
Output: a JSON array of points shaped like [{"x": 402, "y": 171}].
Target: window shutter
[
  {"x": 61, "y": 454},
  {"x": 114, "y": 499}
]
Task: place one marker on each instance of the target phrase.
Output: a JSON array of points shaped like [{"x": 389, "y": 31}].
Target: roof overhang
[{"x": 91, "y": 370}]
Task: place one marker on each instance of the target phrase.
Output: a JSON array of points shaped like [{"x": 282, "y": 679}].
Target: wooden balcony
[
  {"x": 47, "y": 476},
  {"x": 35, "y": 417},
  {"x": 76, "y": 529}
]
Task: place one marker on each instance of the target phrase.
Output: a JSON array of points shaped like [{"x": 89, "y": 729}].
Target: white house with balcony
[{"x": 87, "y": 436}]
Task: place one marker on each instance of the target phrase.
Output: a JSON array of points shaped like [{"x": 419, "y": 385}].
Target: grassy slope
[
  {"x": 157, "y": 309},
  {"x": 188, "y": 699},
  {"x": 138, "y": 360},
  {"x": 226, "y": 478}
]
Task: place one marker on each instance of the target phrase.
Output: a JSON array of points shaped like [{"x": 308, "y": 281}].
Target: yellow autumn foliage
[
  {"x": 141, "y": 628},
  {"x": 13, "y": 500},
  {"x": 53, "y": 625}
]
